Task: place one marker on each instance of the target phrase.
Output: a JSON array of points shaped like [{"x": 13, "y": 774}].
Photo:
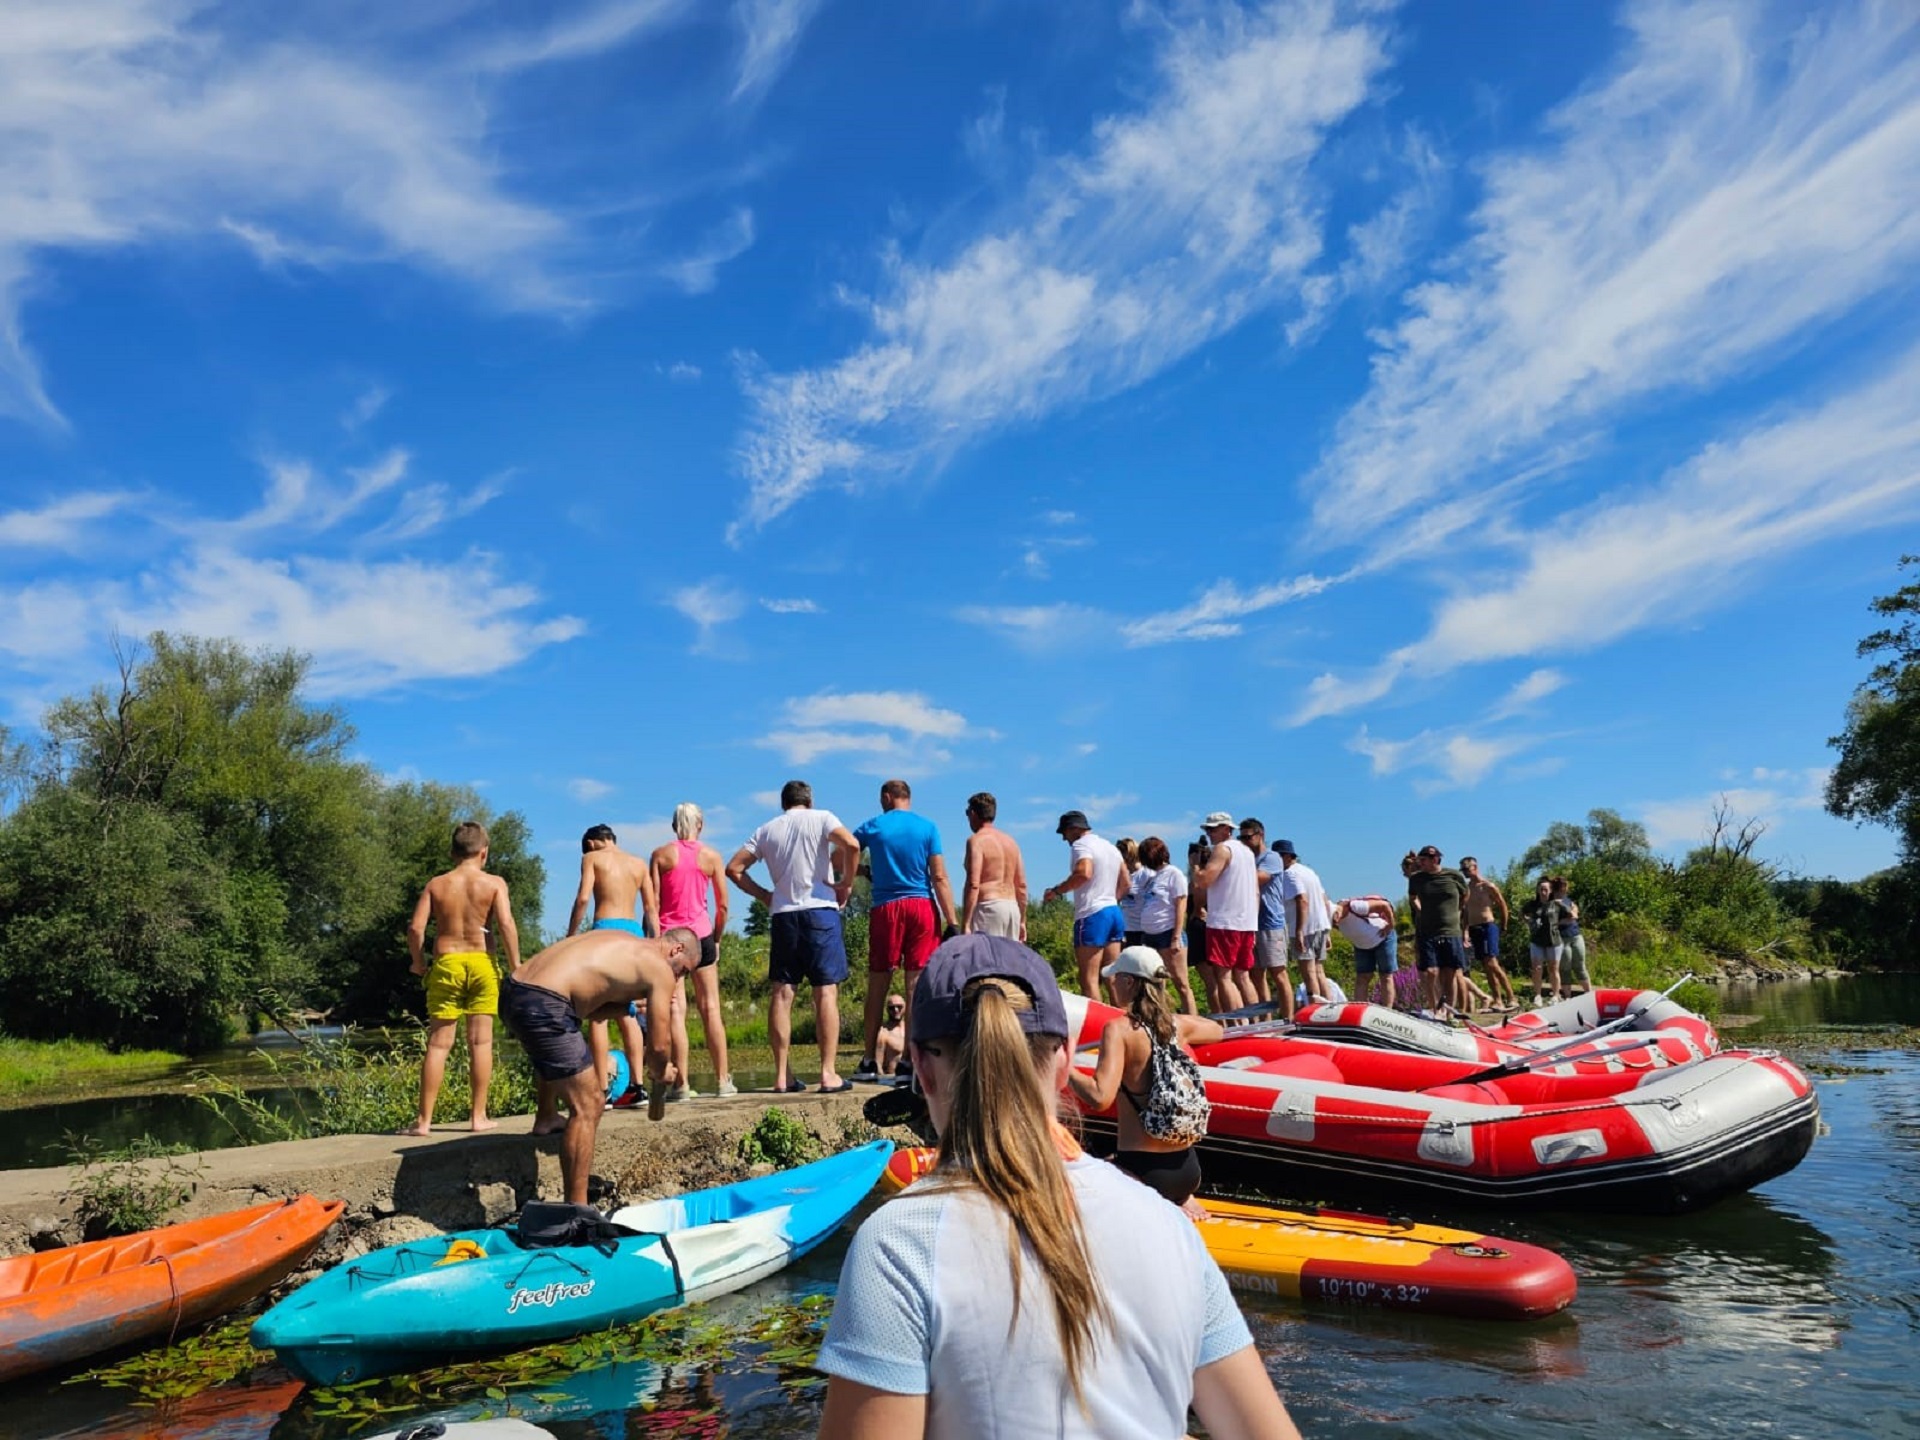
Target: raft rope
[{"x": 175, "y": 1303}]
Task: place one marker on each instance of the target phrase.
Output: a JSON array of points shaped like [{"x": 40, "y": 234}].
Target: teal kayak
[{"x": 478, "y": 1292}]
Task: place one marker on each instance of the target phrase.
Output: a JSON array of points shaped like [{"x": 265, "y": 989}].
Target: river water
[{"x": 1790, "y": 1312}]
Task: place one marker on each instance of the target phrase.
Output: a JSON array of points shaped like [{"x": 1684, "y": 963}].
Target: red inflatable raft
[{"x": 1355, "y": 1123}]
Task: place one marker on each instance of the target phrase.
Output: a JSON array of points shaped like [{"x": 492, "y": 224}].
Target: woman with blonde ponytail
[
  {"x": 1153, "y": 1146},
  {"x": 1024, "y": 1289}
]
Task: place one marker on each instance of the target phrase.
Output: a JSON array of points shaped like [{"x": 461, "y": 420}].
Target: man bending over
[{"x": 591, "y": 977}]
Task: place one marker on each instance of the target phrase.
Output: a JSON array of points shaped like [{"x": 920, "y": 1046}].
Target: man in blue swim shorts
[{"x": 1099, "y": 927}]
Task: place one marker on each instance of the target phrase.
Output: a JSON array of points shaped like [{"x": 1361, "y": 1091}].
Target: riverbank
[
  {"x": 398, "y": 1188},
  {"x": 30, "y": 1068}
]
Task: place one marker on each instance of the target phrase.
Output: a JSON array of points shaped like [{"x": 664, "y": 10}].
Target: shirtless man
[
  {"x": 462, "y": 980},
  {"x": 619, "y": 886},
  {"x": 591, "y": 977},
  {"x": 891, "y": 1044},
  {"x": 1487, "y": 916},
  {"x": 995, "y": 898}
]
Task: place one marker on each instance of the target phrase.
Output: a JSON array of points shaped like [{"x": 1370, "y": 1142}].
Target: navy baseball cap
[{"x": 937, "y": 1009}]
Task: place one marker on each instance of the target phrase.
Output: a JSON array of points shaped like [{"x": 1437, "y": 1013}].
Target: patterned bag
[{"x": 1177, "y": 1108}]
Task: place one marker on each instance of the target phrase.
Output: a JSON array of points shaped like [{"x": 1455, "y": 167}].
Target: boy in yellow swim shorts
[{"x": 462, "y": 982}]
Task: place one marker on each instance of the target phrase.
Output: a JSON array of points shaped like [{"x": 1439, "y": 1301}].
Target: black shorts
[
  {"x": 809, "y": 947},
  {"x": 1136, "y": 937},
  {"x": 543, "y": 1021},
  {"x": 709, "y": 952},
  {"x": 1157, "y": 940},
  {"x": 1173, "y": 1173}
]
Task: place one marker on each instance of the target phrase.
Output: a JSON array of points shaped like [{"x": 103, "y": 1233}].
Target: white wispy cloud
[
  {"x": 1218, "y": 612},
  {"x": 698, "y": 270},
  {"x": 709, "y": 605},
  {"x": 1769, "y": 795},
  {"x": 1452, "y": 759},
  {"x": 770, "y": 32},
  {"x": 1662, "y": 556},
  {"x": 796, "y": 605},
  {"x": 367, "y": 404},
  {"x": 1740, "y": 175},
  {"x": 1527, "y": 693},
  {"x": 1172, "y": 224},
  {"x": 586, "y": 790},
  {"x": 368, "y": 626},
  {"x": 60, "y": 524},
  {"x": 1039, "y": 628},
  {"x": 298, "y": 497},
  {"x": 427, "y": 508},
  {"x": 893, "y": 709},
  {"x": 887, "y": 730},
  {"x": 583, "y": 30}
]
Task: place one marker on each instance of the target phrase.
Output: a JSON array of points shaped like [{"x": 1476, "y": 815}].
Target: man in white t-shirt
[
  {"x": 1368, "y": 923},
  {"x": 1229, "y": 885},
  {"x": 1270, "y": 945},
  {"x": 1099, "y": 928},
  {"x": 1312, "y": 920},
  {"x": 811, "y": 858}
]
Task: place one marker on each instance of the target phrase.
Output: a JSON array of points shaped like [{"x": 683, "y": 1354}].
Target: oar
[{"x": 1514, "y": 1065}]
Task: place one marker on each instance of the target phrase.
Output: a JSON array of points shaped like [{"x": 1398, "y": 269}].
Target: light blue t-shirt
[
  {"x": 901, "y": 844},
  {"x": 1273, "y": 901}
]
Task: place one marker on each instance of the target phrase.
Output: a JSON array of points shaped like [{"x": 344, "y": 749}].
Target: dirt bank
[{"x": 398, "y": 1188}]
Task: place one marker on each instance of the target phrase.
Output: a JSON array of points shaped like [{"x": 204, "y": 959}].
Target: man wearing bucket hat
[
  {"x": 1122, "y": 1320},
  {"x": 1099, "y": 927},
  {"x": 1229, "y": 885}
]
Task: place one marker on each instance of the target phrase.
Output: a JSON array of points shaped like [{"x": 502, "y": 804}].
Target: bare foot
[
  {"x": 1194, "y": 1210},
  {"x": 419, "y": 1127},
  {"x": 550, "y": 1127},
  {"x": 484, "y": 1124}
]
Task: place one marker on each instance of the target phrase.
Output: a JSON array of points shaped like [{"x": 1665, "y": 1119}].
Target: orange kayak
[
  {"x": 1328, "y": 1257},
  {"x": 64, "y": 1305}
]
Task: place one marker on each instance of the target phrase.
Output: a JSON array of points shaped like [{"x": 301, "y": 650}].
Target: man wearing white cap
[{"x": 1230, "y": 886}]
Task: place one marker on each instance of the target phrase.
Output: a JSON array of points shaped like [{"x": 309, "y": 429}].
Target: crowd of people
[{"x": 1242, "y": 912}]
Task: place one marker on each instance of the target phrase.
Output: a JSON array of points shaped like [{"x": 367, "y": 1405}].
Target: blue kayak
[{"x": 477, "y": 1292}]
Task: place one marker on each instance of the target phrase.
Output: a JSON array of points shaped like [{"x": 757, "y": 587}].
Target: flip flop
[
  {"x": 840, "y": 1089},
  {"x": 792, "y": 1087}
]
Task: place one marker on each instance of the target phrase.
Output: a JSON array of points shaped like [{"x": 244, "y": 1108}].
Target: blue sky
[{"x": 1406, "y": 424}]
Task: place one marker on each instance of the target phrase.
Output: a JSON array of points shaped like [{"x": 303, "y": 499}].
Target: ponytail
[
  {"x": 999, "y": 1139},
  {"x": 1148, "y": 1009}
]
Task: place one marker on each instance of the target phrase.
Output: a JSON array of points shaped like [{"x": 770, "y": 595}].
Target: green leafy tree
[
  {"x": 1877, "y": 777},
  {"x": 759, "y": 920},
  {"x": 1607, "y": 837}
]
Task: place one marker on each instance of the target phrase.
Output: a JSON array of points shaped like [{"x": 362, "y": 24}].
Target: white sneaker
[{"x": 726, "y": 1089}]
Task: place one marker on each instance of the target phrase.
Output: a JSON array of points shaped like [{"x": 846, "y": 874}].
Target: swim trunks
[
  {"x": 543, "y": 1021},
  {"x": 1486, "y": 941},
  {"x": 462, "y": 982},
  {"x": 997, "y": 917},
  {"x": 900, "y": 933},
  {"x": 1105, "y": 926},
  {"x": 1444, "y": 951},
  {"x": 1230, "y": 949},
  {"x": 808, "y": 946},
  {"x": 632, "y": 927}
]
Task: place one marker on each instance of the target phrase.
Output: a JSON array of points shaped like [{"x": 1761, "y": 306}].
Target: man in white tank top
[{"x": 1230, "y": 887}]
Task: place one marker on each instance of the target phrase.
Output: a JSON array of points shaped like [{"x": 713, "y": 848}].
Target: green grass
[{"x": 62, "y": 1064}]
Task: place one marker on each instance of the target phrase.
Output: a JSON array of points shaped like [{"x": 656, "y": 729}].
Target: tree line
[{"x": 194, "y": 844}]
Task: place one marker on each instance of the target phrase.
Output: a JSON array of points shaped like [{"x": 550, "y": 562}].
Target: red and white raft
[{"x": 1306, "y": 1115}]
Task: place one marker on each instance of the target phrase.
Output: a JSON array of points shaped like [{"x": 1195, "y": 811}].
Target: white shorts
[{"x": 997, "y": 917}]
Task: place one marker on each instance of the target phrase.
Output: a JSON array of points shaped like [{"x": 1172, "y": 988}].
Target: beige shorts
[{"x": 997, "y": 917}]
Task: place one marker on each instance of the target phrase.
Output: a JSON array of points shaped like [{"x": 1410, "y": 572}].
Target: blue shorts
[
  {"x": 1447, "y": 952},
  {"x": 1382, "y": 959},
  {"x": 1102, "y": 927},
  {"x": 809, "y": 947},
  {"x": 632, "y": 927},
  {"x": 1486, "y": 941}
]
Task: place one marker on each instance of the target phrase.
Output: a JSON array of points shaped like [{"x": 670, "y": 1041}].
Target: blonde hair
[
  {"x": 687, "y": 820},
  {"x": 1148, "y": 1008},
  {"x": 999, "y": 1140}
]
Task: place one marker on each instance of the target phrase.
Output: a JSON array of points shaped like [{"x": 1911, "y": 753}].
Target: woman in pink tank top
[{"x": 686, "y": 875}]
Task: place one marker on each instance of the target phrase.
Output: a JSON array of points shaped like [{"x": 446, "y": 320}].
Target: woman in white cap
[
  {"x": 1023, "y": 1288},
  {"x": 1145, "y": 1063}
]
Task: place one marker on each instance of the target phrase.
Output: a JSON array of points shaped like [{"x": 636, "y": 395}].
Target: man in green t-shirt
[{"x": 1435, "y": 894}]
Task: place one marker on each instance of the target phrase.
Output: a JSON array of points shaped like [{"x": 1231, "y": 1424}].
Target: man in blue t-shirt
[{"x": 909, "y": 879}]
